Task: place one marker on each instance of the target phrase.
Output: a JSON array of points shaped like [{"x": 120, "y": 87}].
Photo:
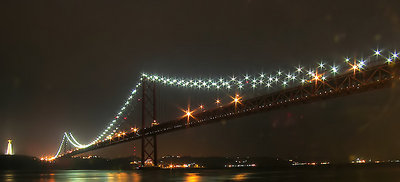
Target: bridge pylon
[
  {"x": 149, "y": 142},
  {"x": 66, "y": 147}
]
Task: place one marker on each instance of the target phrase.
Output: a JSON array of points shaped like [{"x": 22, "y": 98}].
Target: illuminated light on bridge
[
  {"x": 334, "y": 69},
  {"x": 188, "y": 113},
  {"x": 236, "y": 99},
  {"x": 316, "y": 76},
  {"x": 377, "y": 52},
  {"x": 355, "y": 68},
  {"x": 321, "y": 65},
  {"x": 278, "y": 79},
  {"x": 395, "y": 54},
  {"x": 361, "y": 63},
  {"x": 299, "y": 69},
  {"x": 389, "y": 60},
  {"x": 134, "y": 129}
]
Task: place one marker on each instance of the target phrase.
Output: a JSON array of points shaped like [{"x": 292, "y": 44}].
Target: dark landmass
[
  {"x": 222, "y": 162},
  {"x": 20, "y": 162}
]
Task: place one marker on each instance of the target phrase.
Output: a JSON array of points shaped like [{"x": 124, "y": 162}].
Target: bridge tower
[
  {"x": 149, "y": 142},
  {"x": 66, "y": 147}
]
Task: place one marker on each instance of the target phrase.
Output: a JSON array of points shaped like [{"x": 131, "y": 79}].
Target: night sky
[{"x": 69, "y": 65}]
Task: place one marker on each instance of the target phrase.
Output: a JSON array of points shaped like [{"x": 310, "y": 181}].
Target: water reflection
[
  {"x": 47, "y": 177},
  {"x": 304, "y": 175},
  {"x": 9, "y": 177},
  {"x": 136, "y": 177},
  {"x": 123, "y": 176},
  {"x": 241, "y": 176},
  {"x": 192, "y": 177}
]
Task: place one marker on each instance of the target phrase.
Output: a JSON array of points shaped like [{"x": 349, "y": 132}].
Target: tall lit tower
[{"x": 9, "y": 148}]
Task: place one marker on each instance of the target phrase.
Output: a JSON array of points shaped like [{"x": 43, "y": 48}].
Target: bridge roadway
[{"x": 375, "y": 77}]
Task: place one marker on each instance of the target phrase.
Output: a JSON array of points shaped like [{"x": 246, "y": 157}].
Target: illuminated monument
[{"x": 9, "y": 148}]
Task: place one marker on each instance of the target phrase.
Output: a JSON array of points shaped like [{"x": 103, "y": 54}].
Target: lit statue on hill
[{"x": 9, "y": 148}]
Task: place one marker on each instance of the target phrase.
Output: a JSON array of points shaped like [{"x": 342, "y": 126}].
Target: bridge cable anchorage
[{"x": 299, "y": 77}]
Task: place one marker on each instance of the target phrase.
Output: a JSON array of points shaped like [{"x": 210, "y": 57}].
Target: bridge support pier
[{"x": 149, "y": 143}]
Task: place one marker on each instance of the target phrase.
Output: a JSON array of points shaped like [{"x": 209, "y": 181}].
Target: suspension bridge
[{"x": 301, "y": 85}]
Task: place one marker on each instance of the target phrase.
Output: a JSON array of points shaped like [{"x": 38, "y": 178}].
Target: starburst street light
[
  {"x": 377, "y": 52},
  {"x": 334, "y": 69},
  {"x": 316, "y": 76},
  {"x": 395, "y": 54},
  {"x": 134, "y": 129},
  {"x": 188, "y": 113},
  {"x": 321, "y": 65},
  {"x": 354, "y": 67},
  {"x": 299, "y": 69},
  {"x": 201, "y": 107},
  {"x": 361, "y": 63},
  {"x": 237, "y": 99},
  {"x": 389, "y": 60}
]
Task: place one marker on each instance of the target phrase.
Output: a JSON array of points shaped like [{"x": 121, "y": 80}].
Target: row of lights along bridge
[{"x": 320, "y": 73}]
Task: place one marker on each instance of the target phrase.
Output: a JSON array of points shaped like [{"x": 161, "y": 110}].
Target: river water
[{"x": 302, "y": 175}]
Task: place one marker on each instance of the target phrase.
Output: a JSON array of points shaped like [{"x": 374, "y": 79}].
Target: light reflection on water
[
  {"x": 240, "y": 177},
  {"x": 192, "y": 177},
  {"x": 346, "y": 175}
]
